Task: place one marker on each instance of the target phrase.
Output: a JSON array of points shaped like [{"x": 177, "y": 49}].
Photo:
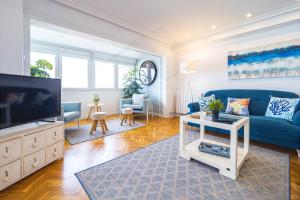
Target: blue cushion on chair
[
  {"x": 133, "y": 106},
  {"x": 68, "y": 116}
]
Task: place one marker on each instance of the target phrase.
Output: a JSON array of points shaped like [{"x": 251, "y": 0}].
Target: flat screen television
[{"x": 25, "y": 99}]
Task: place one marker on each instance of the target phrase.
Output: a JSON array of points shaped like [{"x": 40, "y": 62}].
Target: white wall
[
  {"x": 154, "y": 90},
  {"x": 60, "y": 15},
  {"x": 11, "y": 36},
  {"x": 111, "y": 100},
  {"x": 212, "y": 72}
]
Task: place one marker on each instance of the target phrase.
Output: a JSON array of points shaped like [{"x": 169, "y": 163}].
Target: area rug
[
  {"x": 157, "y": 172},
  {"x": 76, "y": 135}
]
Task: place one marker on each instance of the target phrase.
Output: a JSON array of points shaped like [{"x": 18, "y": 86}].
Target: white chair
[{"x": 140, "y": 103}]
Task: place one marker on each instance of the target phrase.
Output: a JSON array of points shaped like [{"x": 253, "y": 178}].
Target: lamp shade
[{"x": 188, "y": 67}]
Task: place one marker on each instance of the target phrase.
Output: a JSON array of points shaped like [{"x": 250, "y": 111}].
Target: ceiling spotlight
[
  {"x": 248, "y": 15},
  {"x": 213, "y": 26}
]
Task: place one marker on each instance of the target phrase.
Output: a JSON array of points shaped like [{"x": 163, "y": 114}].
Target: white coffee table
[{"x": 228, "y": 167}]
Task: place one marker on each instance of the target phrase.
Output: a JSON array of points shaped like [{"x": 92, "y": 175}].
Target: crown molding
[
  {"x": 77, "y": 6},
  {"x": 224, "y": 29}
]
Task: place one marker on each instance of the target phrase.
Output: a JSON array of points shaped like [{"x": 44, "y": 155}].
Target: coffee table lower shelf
[{"x": 222, "y": 163}]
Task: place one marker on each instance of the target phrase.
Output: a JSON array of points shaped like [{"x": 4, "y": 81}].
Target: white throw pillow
[{"x": 138, "y": 98}]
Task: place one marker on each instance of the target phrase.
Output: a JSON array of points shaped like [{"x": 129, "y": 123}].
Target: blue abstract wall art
[{"x": 270, "y": 61}]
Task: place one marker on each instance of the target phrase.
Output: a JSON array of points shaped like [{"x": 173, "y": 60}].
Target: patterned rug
[
  {"x": 76, "y": 135},
  {"x": 157, "y": 172}
]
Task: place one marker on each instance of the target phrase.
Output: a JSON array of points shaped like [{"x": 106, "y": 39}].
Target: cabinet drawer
[
  {"x": 34, "y": 142},
  {"x": 10, "y": 173},
  {"x": 10, "y": 150},
  {"x": 55, "y": 152},
  {"x": 54, "y": 135},
  {"x": 34, "y": 162}
]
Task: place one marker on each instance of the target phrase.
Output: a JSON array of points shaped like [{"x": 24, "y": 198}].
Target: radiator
[{"x": 183, "y": 99}]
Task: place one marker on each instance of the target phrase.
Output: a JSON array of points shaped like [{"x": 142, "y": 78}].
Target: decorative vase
[
  {"x": 96, "y": 102},
  {"x": 215, "y": 116}
]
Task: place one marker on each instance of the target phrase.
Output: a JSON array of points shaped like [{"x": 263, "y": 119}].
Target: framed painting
[{"x": 270, "y": 61}]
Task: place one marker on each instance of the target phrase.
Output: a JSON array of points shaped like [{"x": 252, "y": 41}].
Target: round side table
[{"x": 94, "y": 108}]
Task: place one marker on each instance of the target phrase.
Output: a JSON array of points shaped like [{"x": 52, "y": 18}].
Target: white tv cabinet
[{"x": 27, "y": 148}]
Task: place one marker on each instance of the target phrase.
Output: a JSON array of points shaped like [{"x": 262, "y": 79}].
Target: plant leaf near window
[
  {"x": 131, "y": 85},
  {"x": 40, "y": 67}
]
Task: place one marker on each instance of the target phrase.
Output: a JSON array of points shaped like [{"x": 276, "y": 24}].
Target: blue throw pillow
[
  {"x": 204, "y": 101},
  {"x": 282, "y": 108}
]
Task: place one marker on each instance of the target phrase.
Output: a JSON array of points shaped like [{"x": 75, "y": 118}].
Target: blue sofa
[{"x": 264, "y": 129}]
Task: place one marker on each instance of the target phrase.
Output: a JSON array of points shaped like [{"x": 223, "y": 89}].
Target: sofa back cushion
[{"x": 259, "y": 99}]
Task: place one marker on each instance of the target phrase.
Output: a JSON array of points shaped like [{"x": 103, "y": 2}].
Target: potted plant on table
[
  {"x": 96, "y": 99},
  {"x": 215, "y": 106}
]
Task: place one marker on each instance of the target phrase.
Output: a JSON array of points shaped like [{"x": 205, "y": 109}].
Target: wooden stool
[
  {"x": 98, "y": 117},
  {"x": 127, "y": 114}
]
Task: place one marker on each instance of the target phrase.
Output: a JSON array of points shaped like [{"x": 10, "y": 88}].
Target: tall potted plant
[
  {"x": 40, "y": 68},
  {"x": 131, "y": 85},
  {"x": 215, "y": 106}
]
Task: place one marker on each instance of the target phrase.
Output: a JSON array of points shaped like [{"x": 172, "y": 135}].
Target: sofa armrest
[
  {"x": 194, "y": 107},
  {"x": 71, "y": 106},
  {"x": 296, "y": 118}
]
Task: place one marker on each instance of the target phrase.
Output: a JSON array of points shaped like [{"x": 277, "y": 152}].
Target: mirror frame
[{"x": 155, "y": 72}]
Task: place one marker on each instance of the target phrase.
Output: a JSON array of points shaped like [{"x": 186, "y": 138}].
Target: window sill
[{"x": 92, "y": 89}]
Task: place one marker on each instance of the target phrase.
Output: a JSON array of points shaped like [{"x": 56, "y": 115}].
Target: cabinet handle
[
  {"x": 5, "y": 154},
  {"x": 6, "y": 177},
  {"x": 34, "y": 165},
  {"x": 55, "y": 152},
  {"x": 34, "y": 144},
  {"x": 55, "y": 137}
]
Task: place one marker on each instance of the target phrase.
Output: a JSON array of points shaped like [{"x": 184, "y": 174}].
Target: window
[
  {"x": 104, "y": 75},
  {"x": 122, "y": 71},
  {"x": 74, "y": 72},
  {"x": 35, "y": 56}
]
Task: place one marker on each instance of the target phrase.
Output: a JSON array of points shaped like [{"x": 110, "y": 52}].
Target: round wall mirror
[{"x": 147, "y": 73}]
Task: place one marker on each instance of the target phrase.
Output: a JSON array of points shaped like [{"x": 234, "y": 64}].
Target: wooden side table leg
[{"x": 89, "y": 113}]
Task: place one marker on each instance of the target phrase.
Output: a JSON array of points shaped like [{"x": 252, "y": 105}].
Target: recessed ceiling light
[
  {"x": 188, "y": 35},
  {"x": 213, "y": 26},
  {"x": 248, "y": 15}
]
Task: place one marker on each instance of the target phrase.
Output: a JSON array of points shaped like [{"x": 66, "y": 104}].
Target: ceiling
[
  {"x": 175, "y": 21},
  {"x": 54, "y": 35}
]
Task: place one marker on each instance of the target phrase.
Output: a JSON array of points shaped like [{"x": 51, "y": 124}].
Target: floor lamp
[{"x": 188, "y": 68}]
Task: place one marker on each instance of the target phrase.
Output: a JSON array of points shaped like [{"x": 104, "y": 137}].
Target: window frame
[
  {"x": 74, "y": 54},
  {"x": 92, "y": 56},
  {"x": 96, "y": 59},
  {"x": 117, "y": 73},
  {"x": 46, "y": 50}
]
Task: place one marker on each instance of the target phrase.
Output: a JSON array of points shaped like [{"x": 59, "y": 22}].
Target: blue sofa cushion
[
  {"x": 259, "y": 99},
  {"x": 296, "y": 119},
  {"x": 69, "y": 116},
  {"x": 274, "y": 128},
  {"x": 133, "y": 106}
]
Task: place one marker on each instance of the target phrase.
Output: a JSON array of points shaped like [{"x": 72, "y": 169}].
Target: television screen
[{"x": 25, "y": 99}]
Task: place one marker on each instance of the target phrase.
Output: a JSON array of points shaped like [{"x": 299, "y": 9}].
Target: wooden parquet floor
[{"x": 57, "y": 180}]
